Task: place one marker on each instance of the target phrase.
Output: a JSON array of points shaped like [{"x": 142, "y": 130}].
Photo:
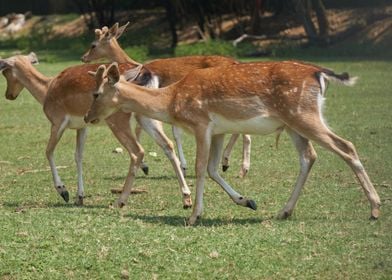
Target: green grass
[{"x": 329, "y": 235}]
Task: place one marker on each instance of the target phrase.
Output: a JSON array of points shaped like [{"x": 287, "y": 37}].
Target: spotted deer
[
  {"x": 66, "y": 98},
  {"x": 165, "y": 72},
  {"x": 254, "y": 98}
]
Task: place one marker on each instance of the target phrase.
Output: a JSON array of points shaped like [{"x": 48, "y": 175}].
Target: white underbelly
[{"x": 257, "y": 125}]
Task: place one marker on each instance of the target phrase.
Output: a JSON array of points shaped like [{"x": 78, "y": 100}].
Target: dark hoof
[
  {"x": 65, "y": 195},
  {"x": 372, "y": 218},
  {"x": 187, "y": 206},
  {"x": 145, "y": 170},
  {"x": 121, "y": 204},
  {"x": 225, "y": 167},
  {"x": 251, "y": 204},
  {"x": 79, "y": 201}
]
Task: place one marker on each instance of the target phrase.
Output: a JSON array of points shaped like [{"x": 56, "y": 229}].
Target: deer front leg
[
  {"x": 155, "y": 130},
  {"x": 203, "y": 142},
  {"x": 177, "y": 134},
  {"x": 55, "y": 135},
  {"x": 80, "y": 140},
  {"x": 138, "y": 133},
  {"x": 213, "y": 163},
  {"x": 119, "y": 125}
]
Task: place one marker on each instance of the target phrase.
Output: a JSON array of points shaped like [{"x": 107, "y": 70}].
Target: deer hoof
[
  {"x": 225, "y": 167},
  {"x": 283, "y": 215},
  {"x": 251, "y": 204},
  {"x": 145, "y": 169},
  {"x": 79, "y": 201},
  {"x": 65, "y": 195},
  {"x": 187, "y": 200}
]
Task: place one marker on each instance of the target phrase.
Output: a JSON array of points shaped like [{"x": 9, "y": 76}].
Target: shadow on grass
[
  {"x": 180, "y": 221},
  {"x": 20, "y": 206},
  {"x": 157, "y": 178}
]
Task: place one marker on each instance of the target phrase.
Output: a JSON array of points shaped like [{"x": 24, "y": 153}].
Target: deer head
[
  {"x": 105, "y": 38},
  {"x": 10, "y": 67}
]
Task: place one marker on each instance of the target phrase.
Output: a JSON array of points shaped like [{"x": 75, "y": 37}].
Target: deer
[
  {"x": 251, "y": 98},
  {"x": 66, "y": 98},
  {"x": 165, "y": 72}
]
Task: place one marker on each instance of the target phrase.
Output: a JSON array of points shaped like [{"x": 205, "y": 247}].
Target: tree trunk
[
  {"x": 256, "y": 15},
  {"x": 172, "y": 19},
  {"x": 304, "y": 12},
  {"x": 322, "y": 20}
]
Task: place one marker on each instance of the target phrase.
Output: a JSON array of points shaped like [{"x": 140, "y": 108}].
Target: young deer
[
  {"x": 66, "y": 99},
  {"x": 165, "y": 72},
  {"x": 256, "y": 98}
]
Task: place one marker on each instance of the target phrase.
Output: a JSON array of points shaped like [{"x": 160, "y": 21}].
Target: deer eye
[
  {"x": 95, "y": 95},
  {"x": 93, "y": 46}
]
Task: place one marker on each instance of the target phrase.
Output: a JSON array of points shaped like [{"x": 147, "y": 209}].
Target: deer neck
[
  {"x": 35, "y": 82},
  {"x": 119, "y": 55},
  {"x": 153, "y": 103}
]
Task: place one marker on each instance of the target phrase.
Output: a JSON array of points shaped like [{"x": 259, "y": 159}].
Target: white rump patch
[{"x": 153, "y": 82}]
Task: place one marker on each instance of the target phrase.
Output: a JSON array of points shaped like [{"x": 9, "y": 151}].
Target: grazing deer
[
  {"x": 256, "y": 98},
  {"x": 66, "y": 98},
  {"x": 165, "y": 72}
]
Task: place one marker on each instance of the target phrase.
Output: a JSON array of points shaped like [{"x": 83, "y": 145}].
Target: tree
[
  {"x": 304, "y": 11},
  {"x": 97, "y": 13}
]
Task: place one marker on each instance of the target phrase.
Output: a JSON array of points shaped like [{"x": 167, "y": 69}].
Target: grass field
[{"x": 328, "y": 237}]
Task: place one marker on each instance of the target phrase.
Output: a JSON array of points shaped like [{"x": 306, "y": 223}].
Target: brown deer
[
  {"x": 66, "y": 98},
  {"x": 165, "y": 72},
  {"x": 255, "y": 98}
]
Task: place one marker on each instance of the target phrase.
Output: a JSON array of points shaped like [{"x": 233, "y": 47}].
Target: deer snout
[
  {"x": 88, "y": 119},
  {"x": 84, "y": 59}
]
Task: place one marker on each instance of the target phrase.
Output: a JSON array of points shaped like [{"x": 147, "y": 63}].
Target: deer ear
[
  {"x": 6, "y": 63},
  {"x": 98, "y": 33},
  {"x": 113, "y": 73},
  {"x": 121, "y": 30},
  {"x": 99, "y": 73},
  {"x": 33, "y": 58},
  {"x": 113, "y": 30}
]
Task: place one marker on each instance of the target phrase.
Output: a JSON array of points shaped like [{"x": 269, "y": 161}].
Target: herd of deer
[{"x": 208, "y": 96}]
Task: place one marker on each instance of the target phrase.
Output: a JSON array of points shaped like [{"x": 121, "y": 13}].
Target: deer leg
[
  {"x": 213, "y": 164},
  {"x": 320, "y": 133},
  {"x": 203, "y": 142},
  {"x": 177, "y": 134},
  {"x": 307, "y": 156},
  {"x": 119, "y": 124},
  {"x": 155, "y": 130},
  {"x": 55, "y": 135},
  {"x": 138, "y": 133},
  {"x": 80, "y": 140},
  {"x": 246, "y": 145},
  {"x": 227, "y": 152}
]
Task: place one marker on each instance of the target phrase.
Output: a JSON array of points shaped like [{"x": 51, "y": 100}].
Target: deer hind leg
[
  {"x": 227, "y": 152},
  {"x": 177, "y": 134},
  {"x": 246, "y": 145},
  {"x": 213, "y": 163},
  {"x": 55, "y": 135},
  {"x": 80, "y": 140},
  {"x": 155, "y": 130},
  {"x": 321, "y": 134},
  {"x": 307, "y": 156},
  {"x": 119, "y": 124}
]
